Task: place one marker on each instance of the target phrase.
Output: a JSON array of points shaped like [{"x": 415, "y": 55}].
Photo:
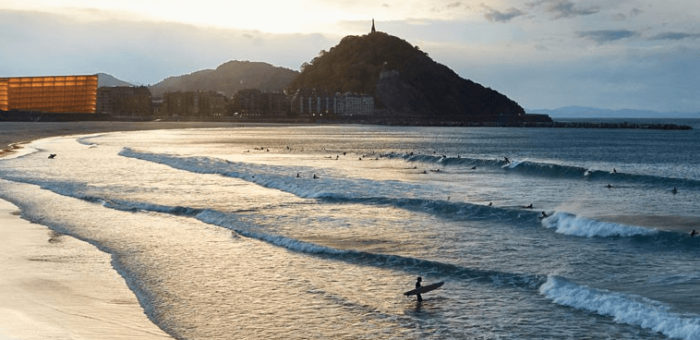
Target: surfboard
[{"x": 424, "y": 289}]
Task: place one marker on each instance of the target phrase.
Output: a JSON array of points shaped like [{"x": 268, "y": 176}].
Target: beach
[
  {"x": 55, "y": 286},
  {"x": 316, "y": 231},
  {"x": 14, "y": 133}
]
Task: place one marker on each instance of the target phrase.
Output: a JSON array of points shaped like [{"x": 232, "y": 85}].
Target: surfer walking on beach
[{"x": 418, "y": 281}]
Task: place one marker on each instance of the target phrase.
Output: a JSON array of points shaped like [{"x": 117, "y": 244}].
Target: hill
[
  {"x": 104, "y": 79},
  {"x": 404, "y": 80},
  {"x": 229, "y": 78}
]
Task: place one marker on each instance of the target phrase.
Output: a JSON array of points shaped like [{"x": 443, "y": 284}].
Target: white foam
[
  {"x": 624, "y": 308},
  {"x": 227, "y": 221},
  {"x": 570, "y": 224}
]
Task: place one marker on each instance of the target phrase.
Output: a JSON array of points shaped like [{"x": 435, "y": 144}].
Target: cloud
[
  {"x": 497, "y": 16},
  {"x": 675, "y": 36},
  {"x": 635, "y": 12},
  {"x": 603, "y": 36},
  {"x": 139, "y": 52},
  {"x": 565, "y": 8}
]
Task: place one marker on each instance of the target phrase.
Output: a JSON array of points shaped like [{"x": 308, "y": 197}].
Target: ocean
[{"x": 315, "y": 232}]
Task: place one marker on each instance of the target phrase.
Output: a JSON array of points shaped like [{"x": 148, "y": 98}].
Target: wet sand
[
  {"x": 22, "y": 132},
  {"x": 57, "y": 287}
]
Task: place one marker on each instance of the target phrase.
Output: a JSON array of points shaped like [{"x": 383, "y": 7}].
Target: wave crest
[{"x": 624, "y": 308}]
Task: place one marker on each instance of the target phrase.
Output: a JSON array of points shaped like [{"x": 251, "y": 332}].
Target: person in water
[
  {"x": 674, "y": 191},
  {"x": 693, "y": 233},
  {"x": 544, "y": 215},
  {"x": 418, "y": 281}
]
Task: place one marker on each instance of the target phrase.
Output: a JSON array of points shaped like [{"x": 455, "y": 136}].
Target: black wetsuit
[{"x": 417, "y": 292}]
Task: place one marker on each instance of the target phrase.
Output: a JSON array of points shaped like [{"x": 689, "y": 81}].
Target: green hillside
[
  {"x": 420, "y": 88},
  {"x": 229, "y": 78}
]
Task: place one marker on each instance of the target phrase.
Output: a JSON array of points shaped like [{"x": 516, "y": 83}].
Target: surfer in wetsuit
[
  {"x": 418, "y": 287},
  {"x": 693, "y": 233}
]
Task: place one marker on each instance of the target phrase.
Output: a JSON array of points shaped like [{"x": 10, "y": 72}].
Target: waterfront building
[
  {"x": 124, "y": 101},
  {"x": 56, "y": 94}
]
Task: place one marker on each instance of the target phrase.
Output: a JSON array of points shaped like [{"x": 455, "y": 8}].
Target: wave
[
  {"x": 334, "y": 190},
  {"x": 232, "y": 222},
  {"x": 553, "y": 170},
  {"x": 570, "y": 224},
  {"x": 87, "y": 140},
  {"x": 448, "y": 161},
  {"x": 624, "y": 308}
]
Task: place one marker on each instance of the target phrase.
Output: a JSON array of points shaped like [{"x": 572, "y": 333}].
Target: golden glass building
[{"x": 60, "y": 94}]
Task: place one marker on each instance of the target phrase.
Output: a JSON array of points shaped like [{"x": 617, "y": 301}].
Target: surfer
[
  {"x": 614, "y": 171},
  {"x": 315, "y": 177},
  {"x": 544, "y": 215},
  {"x": 490, "y": 204},
  {"x": 420, "y": 299},
  {"x": 693, "y": 233},
  {"x": 674, "y": 191},
  {"x": 52, "y": 156},
  {"x": 507, "y": 160},
  {"x": 528, "y": 206},
  {"x": 608, "y": 186}
]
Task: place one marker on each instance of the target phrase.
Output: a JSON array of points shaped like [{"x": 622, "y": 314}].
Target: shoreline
[
  {"x": 56, "y": 286},
  {"x": 14, "y": 134}
]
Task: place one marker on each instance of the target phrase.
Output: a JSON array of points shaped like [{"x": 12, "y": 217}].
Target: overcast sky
[{"x": 640, "y": 54}]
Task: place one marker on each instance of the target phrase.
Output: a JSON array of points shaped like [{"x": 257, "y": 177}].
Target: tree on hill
[
  {"x": 412, "y": 83},
  {"x": 229, "y": 78}
]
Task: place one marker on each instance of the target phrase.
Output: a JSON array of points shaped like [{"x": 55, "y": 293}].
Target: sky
[{"x": 613, "y": 54}]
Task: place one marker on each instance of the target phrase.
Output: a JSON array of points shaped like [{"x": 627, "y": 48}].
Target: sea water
[{"x": 314, "y": 232}]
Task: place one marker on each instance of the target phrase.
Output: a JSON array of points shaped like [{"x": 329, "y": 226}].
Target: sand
[
  {"x": 57, "y": 287},
  {"x": 20, "y": 132},
  {"x": 54, "y": 286}
]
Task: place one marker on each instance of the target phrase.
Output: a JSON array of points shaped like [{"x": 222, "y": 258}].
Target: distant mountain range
[{"x": 592, "y": 112}]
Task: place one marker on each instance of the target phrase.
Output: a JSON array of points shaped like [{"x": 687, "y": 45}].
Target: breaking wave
[{"x": 623, "y": 308}]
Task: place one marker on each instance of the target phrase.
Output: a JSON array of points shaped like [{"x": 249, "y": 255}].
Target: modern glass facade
[{"x": 69, "y": 94}]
